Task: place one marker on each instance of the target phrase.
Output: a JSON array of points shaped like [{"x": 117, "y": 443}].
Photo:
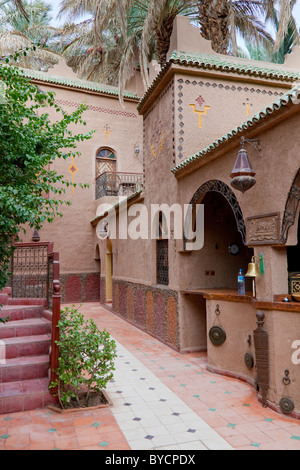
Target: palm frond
[
  {"x": 284, "y": 18},
  {"x": 38, "y": 59}
]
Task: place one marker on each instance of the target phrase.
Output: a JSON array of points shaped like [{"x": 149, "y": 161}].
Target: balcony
[{"x": 118, "y": 184}]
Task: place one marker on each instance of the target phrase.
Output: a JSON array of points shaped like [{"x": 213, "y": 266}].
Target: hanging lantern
[{"x": 242, "y": 174}]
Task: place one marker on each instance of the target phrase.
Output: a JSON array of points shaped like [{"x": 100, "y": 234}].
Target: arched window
[{"x": 105, "y": 161}]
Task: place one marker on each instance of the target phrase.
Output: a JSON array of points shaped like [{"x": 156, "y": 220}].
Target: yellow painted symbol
[
  {"x": 107, "y": 131},
  {"x": 160, "y": 146},
  {"x": 247, "y": 104},
  {"x": 73, "y": 169},
  {"x": 200, "y": 113}
]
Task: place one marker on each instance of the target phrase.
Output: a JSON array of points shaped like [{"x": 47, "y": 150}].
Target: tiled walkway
[{"x": 161, "y": 400}]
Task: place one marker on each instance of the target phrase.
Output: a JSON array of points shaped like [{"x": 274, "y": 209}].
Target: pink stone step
[
  {"x": 6, "y": 290},
  {"x": 25, "y": 395},
  {"x": 27, "y": 327},
  {"x": 25, "y": 341},
  {"x": 26, "y": 301},
  {"x": 24, "y": 368},
  {"x": 21, "y": 312},
  {"x": 3, "y": 299},
  {"x": 26, "y": 346}
]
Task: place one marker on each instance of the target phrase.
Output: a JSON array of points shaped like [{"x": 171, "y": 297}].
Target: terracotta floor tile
[
  {"x": 238, "y": 441},
  {"x": 65, "y": 443},
  {"x": 228, "y": 406},
  {"x": 17, "y": 442},
  {"x": 88, "y": 439}
]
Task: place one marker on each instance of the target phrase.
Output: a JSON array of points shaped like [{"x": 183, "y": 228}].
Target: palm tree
[
  {"x": 92, "y": 57},
  {"x": 286, "y": 41},
  {"x": 19, "y": 6},
  {"x": 289, "y": 40},
  {"x": 18, "y": 32},
  {"x": 121, "y": 28}
]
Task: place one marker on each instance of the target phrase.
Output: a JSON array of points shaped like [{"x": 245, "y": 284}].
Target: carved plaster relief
[{"x": 263, "y": 229}]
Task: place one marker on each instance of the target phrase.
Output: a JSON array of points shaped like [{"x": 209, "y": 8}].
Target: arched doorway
[
  {"x": 216, "y": 265},
  {"x": 224, "y": 252}
]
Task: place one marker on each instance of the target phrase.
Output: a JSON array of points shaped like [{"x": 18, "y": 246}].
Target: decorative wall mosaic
[
  {"x": 153, "y": 309},
  {"x": 80, "y": 287}
]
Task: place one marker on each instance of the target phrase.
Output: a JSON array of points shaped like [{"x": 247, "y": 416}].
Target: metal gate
[{"x": 30, "y": 270}]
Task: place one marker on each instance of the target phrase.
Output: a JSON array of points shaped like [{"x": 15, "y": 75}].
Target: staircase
[{"x": 24, "y": 354}]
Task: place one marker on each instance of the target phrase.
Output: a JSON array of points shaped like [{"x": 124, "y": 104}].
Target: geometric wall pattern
[{"x": 152, "y": 309}]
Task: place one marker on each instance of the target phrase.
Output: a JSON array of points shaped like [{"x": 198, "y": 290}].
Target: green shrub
[{"x": 86, "y": 358}]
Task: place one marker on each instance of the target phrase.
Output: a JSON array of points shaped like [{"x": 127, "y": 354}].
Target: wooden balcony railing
[{"x": 118, "y": 184}]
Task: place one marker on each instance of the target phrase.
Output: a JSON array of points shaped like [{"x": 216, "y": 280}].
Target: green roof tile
[
  {"x": 227, "y": 64},
  {"x": 76, "y": 83}
]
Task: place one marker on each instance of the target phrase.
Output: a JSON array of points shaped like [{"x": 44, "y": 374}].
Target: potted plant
[{"x": 86, "y": 361}]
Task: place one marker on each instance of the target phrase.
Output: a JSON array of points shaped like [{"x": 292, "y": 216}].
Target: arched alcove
[{"x": 216, "y": 186}]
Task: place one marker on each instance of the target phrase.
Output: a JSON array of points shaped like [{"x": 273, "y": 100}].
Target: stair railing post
[{"x": 56, "y": 302}]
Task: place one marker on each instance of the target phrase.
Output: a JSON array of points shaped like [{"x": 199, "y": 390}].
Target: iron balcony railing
[{"x": 118, "y": 184}]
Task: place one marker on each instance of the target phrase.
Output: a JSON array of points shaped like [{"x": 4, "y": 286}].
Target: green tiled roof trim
[
  {"x": 76, "y": 83},
  {"x": 227, "y": 64},
  {"x": 256, "y": 119},
  {"x": 232, "y": 64}
]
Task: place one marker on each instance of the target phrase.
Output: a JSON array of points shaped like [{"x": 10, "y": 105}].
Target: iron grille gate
[
  {"x": 30, "y": 271},
  {"x": 162, "y": 262}
]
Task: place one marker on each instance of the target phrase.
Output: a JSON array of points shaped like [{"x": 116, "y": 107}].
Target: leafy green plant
[
  {"x": 86, "y": 358},
  {"x": 31, "y": 190}
]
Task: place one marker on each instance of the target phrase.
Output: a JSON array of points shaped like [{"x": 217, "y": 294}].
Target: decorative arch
[
  {"x": 291, "y": 209},
  {"x": 227, "y": 193}
]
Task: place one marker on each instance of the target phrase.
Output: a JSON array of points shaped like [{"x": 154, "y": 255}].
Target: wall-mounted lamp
[
  {"x": 243, "y": 174},
  {"x": 136, "y": 149},
  {"x": 36, "y": 236}
]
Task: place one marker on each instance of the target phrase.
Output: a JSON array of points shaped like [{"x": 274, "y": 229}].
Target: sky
[{"x": 55, "y": 9}]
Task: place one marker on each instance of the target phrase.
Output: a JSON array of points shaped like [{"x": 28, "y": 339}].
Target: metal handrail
[
  {"x": 112, "y": 183},
  {"x": 56, "y": 303}
]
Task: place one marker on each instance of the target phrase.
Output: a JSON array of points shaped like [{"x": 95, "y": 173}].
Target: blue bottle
[{"x": 241, "y": 283}]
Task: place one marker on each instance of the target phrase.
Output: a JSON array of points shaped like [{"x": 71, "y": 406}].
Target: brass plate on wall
[
  {"x": 249, "y": 361},
  {"x": 286, "y": 405},
  {"x": 217, "y": 335}
]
